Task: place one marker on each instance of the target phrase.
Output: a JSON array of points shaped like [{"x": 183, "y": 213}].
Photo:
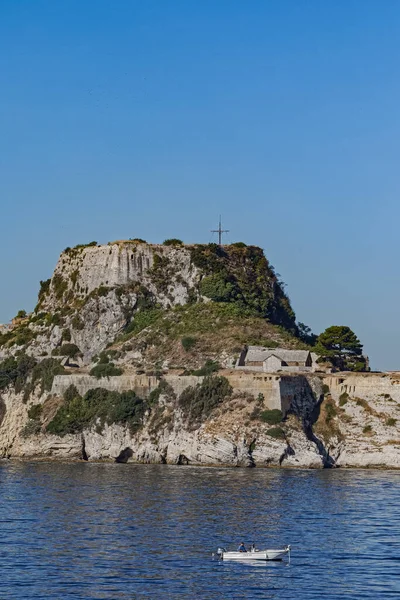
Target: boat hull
[{"x": 277, "y": 554}]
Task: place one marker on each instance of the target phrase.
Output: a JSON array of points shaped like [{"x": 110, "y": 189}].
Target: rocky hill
[
  {"x": 98, "y": 293},
  {"x": 130, "y": 354}
]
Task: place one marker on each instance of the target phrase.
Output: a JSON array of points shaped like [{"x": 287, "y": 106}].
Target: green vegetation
[
  {"x": 188, "y": 342},
  {"x": 142, "y": 319},
  {"x": 343, "y": 399},
  {"x": 59, "y": 285},
  {"x": 77, "y": 323},
  {"x": 390, "y": 422},
  {"x": 21, "y": 314},
  {"x": 74, "y": 277},
  {"x": 306, "y": 335},
  {"x": 162, "y": 272},
  {"x": 70, "y": 350},
  {"x": 16, "y": 371},
  {"x": 198, "y": 402},
  {"x": 79, "y": 248},
  {"x": 106, "y": 370},
  {"x": 25, "y": 373},
  {"x": 35, "y": 412},
  {"x": 66, "y": 335},
  {"x": 209, "y": 367},
  {"x": 340, "y": 346},
  {"x": 98, "y": 404},
  {"x": 164, "y": 389},
  {"x": 276, "y": 433},
  {"x": 32, "y": 427},
  {"x": 173, "y": 242},
  {"x": 22, "y": 335},
  {"x": 45, "y": 371},
  {"x": 216, "y": 326},
  {"x": 272, "y": 417},
  {"x": 218, "y": 288},
  {"x": 367, "y": 429},
  {"x": 241, "y": 275},
  {"x": 330, "y": 411},
  {"x": 98, "y": 292},
  {"x": 44, "y": 288},
  {"x": 325, "y": 389},
  {"x": 70, "y": 393}
]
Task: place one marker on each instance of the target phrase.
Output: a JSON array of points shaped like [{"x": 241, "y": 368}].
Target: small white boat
[{"x": 254, "y": 554}]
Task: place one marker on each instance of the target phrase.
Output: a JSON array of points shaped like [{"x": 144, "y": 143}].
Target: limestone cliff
[
  {"x": 97, "y": 292},
  {"x": 129, "y": 354}
]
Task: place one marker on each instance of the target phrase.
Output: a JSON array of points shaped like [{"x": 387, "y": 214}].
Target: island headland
[{"x": 186, "y": 354}]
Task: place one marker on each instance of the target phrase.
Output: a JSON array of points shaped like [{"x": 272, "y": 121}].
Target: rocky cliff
[{"x": 129, "y": 354}]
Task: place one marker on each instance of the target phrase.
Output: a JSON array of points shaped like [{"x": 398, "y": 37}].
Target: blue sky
[{"x": 148, "y": 119}]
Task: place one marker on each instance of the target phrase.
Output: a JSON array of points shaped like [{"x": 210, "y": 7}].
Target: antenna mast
[{"x": 220, "y": 231}]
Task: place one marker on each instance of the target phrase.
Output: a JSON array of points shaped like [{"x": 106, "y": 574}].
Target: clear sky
[{"x": 148, "y": 118}]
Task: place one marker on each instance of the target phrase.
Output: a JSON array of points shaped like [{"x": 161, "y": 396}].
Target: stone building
[{"x": 272, "y": 360}]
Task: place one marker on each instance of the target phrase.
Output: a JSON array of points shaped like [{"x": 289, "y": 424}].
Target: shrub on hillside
[
  {"x": 70, "y": 350},
  {"x": 105, "y": 370},
  {"x": 188, "y": 342},
  {"x": 77, "y": 323},
  {"x": 66, "y": 335},
  {"x": 70, "y": 393},
  {"x": 198, "y": 402},
  {"x": 35, "y": 412},
  {"x": 173, "y": 242},
  {"x": 45, "y": 371},
  {"x": 239, "y": 245},
  {"x": 98, "y": 406},
  {"x": 276, "y": 433},
  {"x": 330, "y": 412},
  {"x": 272, "y": 417},
  {"x": 143, "y": 319},
  {"x": 209, "y": 367},
  {"x": 16, "y": 371},
  {"x": 217, "y": 288}
]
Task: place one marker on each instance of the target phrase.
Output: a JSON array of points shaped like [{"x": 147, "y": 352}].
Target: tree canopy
[{"x": 339, "y": 345}]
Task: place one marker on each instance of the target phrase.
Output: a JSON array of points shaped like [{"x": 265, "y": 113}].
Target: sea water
[{"x": 83, "y": 530}]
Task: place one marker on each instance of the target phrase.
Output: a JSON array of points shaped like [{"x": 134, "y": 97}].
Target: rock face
[
  {"x": 97, "y": 291},
  {"x": 79, "y": 272},
  {"x": 226, "y": 438},
  {"x": 322, "y": 428}
]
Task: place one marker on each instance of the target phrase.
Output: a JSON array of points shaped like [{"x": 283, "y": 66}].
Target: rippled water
[{"x": 131, "y": 531}]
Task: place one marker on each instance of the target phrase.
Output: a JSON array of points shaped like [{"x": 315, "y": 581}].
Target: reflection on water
[{"x": 131, "y": 531}]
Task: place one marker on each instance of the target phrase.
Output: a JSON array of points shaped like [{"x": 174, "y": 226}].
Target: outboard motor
[{"x": 220, "y": 552}]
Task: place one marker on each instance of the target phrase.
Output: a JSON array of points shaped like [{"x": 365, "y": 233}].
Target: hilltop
[{"x": 99, "y": 295}]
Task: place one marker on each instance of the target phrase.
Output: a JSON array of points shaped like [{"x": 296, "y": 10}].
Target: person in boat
[{"x": 242, "y": 548}]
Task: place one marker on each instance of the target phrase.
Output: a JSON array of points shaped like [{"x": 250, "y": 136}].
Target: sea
[{"x": 125, "y": 531}]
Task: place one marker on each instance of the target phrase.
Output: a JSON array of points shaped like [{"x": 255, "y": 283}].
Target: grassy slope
[{"x": 218, "y": 329}]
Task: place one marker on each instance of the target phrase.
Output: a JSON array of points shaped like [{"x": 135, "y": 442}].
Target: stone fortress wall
[
  {"x": 367, "y": 386},
  {"x": 278, "y": 390}
]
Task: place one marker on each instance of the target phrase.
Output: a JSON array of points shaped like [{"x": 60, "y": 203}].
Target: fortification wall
[
  {"x": 254, "y": 384},
  {"x": 368, "y": 386},
  {"x": 141, "y": 384}
]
